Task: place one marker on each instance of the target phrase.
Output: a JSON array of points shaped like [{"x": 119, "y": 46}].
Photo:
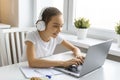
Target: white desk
[{"x": 109, "y": 71}]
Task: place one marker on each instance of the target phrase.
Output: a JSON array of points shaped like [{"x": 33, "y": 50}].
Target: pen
[{"x": 48, "y": 76}]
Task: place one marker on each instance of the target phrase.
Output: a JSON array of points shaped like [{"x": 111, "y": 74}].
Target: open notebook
[{"x": 38, "y": 72}]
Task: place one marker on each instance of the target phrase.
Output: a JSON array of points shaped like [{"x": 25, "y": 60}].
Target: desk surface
[{"x": 109, "y": 71}]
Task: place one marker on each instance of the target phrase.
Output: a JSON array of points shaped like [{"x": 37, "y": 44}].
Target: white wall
[
  {"x": 25, "y": 13},
  {"x": 17, "y": 13}
]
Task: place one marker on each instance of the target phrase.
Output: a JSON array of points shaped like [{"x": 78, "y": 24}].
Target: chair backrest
[{"x": 12, "y": 44}]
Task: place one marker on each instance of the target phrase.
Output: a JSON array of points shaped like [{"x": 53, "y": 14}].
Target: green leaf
[
  {"x": 117, "y": 28},
  {"x": 82, "y": 23}
]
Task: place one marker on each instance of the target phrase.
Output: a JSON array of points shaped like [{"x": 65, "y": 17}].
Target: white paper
[
  {"x": 29, "y": 72},
  {"x": 48, "y": 71},
  {"x": 38, "y": 72}
]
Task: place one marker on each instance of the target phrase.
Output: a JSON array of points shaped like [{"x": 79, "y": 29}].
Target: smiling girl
[{"x": 42, "y": 43}]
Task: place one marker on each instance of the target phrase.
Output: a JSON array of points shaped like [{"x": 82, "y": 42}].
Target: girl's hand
[
  {"x": 81, "y": 57},
  {"x": 74, "y": 61}
]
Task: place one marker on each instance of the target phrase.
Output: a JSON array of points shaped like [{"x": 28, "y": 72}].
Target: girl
[{"x": 42, "y": 42}]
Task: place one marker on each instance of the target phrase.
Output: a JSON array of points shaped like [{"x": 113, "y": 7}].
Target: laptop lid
[{"x": 95, "y": 57}]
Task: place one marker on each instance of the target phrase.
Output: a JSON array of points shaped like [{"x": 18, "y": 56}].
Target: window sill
[
  {"x": 4, "y": 26},
  {"x": 114, "y": 50}
]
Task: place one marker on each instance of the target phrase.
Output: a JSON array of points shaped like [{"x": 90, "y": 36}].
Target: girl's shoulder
[
  {"x": 32, "y": 34},
  {"x": 59, "y": 38}
]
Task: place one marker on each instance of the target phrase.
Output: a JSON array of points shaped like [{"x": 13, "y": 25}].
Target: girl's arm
[
  {"x": 76, "y": 51},
  {"x": 34, "y": 62}
]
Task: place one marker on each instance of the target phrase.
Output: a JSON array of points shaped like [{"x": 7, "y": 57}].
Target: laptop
[{"x": 94, "y": 59}]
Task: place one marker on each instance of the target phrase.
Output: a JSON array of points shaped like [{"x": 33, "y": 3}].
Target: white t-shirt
[{"x": 42, "y": 48}]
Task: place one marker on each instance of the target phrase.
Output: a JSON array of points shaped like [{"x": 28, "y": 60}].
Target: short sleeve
[
  {"x": 30, "y": 37},
  {"x": 59, "y": 39}
]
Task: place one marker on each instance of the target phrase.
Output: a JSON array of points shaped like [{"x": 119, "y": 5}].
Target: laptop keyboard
[{"x": 74, "y": 68}]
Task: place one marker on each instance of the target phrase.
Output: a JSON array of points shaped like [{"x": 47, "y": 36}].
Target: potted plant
[
  {"x": 82, "y": 26},
  {"x": 117, "y": 30}
]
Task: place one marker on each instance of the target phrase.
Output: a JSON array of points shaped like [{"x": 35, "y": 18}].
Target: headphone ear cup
[{"x": 40, "y": 25}]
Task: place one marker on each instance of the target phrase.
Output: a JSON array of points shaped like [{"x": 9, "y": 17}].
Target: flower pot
[
  {"x": 118, "y": 40},
  {"x": 82, "y": 33}
]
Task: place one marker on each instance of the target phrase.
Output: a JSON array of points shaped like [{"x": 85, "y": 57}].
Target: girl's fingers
[
  {"x": 81, "y": 58},
  {"x": 78, "y": 61},
  {"x": 75, "y": 61}
]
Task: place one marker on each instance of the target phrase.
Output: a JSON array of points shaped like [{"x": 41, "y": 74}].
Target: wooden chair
[{"x": 12, "y": 44}]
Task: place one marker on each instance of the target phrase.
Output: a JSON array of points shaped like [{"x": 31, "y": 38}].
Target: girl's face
[{"x": 54, "y": 26}]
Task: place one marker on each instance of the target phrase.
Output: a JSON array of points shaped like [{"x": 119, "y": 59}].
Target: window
[
  {"x": 39, "y": 4},
  {"x": 103, "y": 15}
]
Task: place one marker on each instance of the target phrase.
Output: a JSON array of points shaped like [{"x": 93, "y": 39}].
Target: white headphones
[{"x": 41, "y": 24}]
